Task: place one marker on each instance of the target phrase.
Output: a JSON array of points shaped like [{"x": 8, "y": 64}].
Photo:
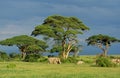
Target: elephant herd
[
  {"x": 116, "y": 61},
  {"x": 56, "y": 60}
]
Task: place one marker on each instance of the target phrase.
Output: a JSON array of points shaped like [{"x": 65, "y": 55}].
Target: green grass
[{"x": 44, "y": 70}]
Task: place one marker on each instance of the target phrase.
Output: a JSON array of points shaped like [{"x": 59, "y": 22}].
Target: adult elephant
[{"x": 54, "y": 60}]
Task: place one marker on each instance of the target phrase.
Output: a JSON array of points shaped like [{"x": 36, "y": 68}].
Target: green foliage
[
  {"x": 34, "y": 49},
  {"x": 25, "y": 43},
  {"x": 11, "y": 65},
  {"x": 104, "y": 62},
  {"x": 32, "y": 58},
  {"x": 3, "y": 56},
  {"x": 62, "y": 29},
  {"x": 35, "y": 58},
  {"x": 57, "y": 26},
  {"x": 101, "y": 39},
  {"x": 14, "y": 55},
  {"x": 23, "y": 40},
  {"x": 69, "y": 60},
  {"x": 42, "y": 59},
  {"x": 56, "y": 49}
]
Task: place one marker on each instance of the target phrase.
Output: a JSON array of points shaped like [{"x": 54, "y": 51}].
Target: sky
[{"x": 18, "y": 17}]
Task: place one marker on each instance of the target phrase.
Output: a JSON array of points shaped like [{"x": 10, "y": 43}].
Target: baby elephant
[
  {"x": 80, "y": 62},
  {"x": 54, "y": 60}
]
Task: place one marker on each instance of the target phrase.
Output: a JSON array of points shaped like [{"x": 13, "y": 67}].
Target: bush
[
  {"x": 3, "y": 56},
  {"x": 69, "y": 60},
  {"x": 42, "y": 59},
  {"x": 14, "y": 55},
  {"x": 104, "y": 62},
  {"x": 32, "y": 58}
]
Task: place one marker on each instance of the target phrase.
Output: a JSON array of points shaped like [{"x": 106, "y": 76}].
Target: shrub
[
  {"x": 14, "y": 55},
  {"x": 3, "y": 56},
  {"x": 104, "y": 62},
  {"x": 42, "y": 59},
  {"x": 32, "y": 58}
]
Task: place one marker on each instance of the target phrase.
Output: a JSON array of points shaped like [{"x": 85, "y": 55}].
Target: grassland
[
  {"x": 69, "y": 70},
  {"x": 44, "y": 70}
]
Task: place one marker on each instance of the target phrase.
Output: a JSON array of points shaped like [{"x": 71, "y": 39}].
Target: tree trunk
[
  {"x": 105, "y": 53},
  {"x": 106, "y": 49},
  {"x": 76, "y": 53},
  {"x": 66, "y": 51},
  {"x": 103, "y": 50},
  {"x": 63, "y": 55},
  {"x": 23, "y": 55},
  {"x": 66, "y": 48},
  {"x": 63, "y": 48}
]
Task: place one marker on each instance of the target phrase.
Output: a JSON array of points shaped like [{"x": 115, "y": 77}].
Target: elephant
[
  {"x": 54, "y": 60},
  {"x": 80, "y": 62},
  {"x": 116, "y": 61}
]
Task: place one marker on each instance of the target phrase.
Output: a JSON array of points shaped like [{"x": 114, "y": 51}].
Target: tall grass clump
[{"x": 11, "y": 65}]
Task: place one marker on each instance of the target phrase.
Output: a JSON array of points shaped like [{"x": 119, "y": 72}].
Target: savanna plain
[{"x": 65, "y": 70}]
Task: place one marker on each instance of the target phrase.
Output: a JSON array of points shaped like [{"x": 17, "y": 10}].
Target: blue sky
[{"x": 21, "y": 16}]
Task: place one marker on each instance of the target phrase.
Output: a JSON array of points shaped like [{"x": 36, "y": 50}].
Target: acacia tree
[
  {"x": 26, "y": 44},
  {"x": 102, "y": 41},
  {"x": 63, "y": 30}
]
